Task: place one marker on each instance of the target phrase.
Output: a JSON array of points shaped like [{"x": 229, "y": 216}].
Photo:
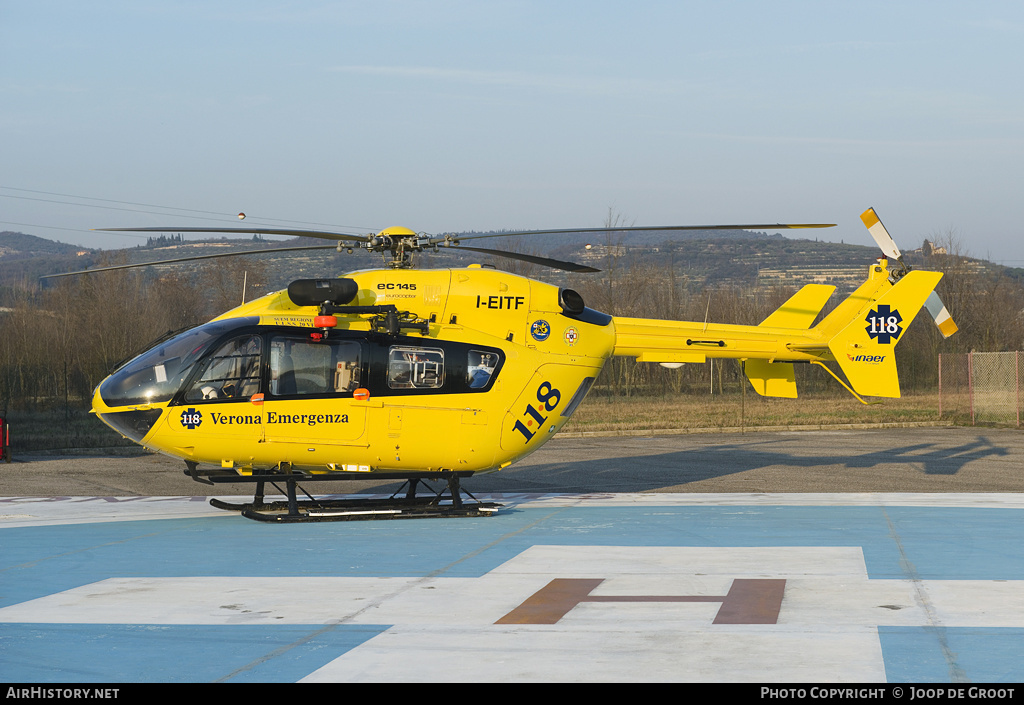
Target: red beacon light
[{"x": 325, "y": 321}]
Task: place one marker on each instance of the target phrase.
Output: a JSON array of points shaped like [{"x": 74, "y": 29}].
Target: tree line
[{"x": 58, "y": 342}]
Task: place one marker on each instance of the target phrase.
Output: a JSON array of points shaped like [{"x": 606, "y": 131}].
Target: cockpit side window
[
  {"x": 231, "y": 372},
  {"x": 157, "y": 374}
]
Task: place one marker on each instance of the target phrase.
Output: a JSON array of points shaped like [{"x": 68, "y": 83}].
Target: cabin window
[
  {"x": 415, "y": 368},
  {"x": 480, "y": 368},
  {"x": 301, "y": 366},
  {"x": 232, "y": 372}
]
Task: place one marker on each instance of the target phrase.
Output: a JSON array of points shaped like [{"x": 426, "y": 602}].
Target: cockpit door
[{"x": 218, "y": 411}]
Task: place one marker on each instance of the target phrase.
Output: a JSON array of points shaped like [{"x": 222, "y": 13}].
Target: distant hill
[
  {"x": 24, "y": 258},
  {"x": 14, "y": 244}
]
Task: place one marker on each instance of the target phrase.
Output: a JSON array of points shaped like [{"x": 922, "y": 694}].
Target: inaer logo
[
  {"x": 866, "y": 358},
  {"x": 884, "y": 324},
  {"x": 190, "y": 418}
]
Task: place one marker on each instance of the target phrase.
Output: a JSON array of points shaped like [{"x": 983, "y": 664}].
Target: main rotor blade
[
  {"x": 188, "y": 259},
  {"x": 771, "y": 226},
  {"x": 322, "y": 234},
  {"x": 545, "y": 261}
]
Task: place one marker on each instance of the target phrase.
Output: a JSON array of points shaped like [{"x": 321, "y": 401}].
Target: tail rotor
[{"x": 943, "y": 321}]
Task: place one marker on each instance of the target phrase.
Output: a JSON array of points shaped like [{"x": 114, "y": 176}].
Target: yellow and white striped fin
[
  {"x": 880, "y": 234},
  {"x": 942, "y": 318}
]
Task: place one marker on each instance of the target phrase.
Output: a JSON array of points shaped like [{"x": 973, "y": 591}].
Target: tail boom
[{"x": 860, "y": 335}]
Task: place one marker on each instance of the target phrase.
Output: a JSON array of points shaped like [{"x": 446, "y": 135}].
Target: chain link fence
[{"x": 980, "y": 387}]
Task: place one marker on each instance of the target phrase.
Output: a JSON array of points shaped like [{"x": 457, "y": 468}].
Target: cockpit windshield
[{"x": 157, "y": 374}]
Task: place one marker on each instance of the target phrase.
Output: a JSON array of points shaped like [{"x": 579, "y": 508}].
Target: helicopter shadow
[{"x": 770, "y": 464}]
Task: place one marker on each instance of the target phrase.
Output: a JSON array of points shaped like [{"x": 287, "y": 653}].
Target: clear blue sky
[{"x": 444, "y": 116}]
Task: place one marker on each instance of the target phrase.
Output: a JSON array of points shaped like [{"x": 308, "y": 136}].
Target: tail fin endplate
[{"x": 778, "y": 379}]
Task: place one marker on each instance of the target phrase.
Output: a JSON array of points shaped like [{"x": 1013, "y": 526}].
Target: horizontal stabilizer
[{"x": 801, "y": 309}]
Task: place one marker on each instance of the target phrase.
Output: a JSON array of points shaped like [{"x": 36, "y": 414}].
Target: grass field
[
  {"x": 61, "y": 429},
  {"x": 607, "y": 414}
]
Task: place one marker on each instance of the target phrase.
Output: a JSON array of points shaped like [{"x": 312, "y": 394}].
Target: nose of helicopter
[{"x": 132, "y": 423}]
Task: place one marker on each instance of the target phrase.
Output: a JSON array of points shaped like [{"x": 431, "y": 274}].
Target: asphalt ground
[
  {"x": 896, "y": 558},
  {"x": 940, "y": 459}
]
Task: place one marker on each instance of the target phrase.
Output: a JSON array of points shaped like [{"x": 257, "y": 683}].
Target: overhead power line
[{"x": 205, "y": 215}]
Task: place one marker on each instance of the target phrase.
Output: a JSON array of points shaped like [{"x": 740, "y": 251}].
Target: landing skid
[{"x": 450, "y": 501}]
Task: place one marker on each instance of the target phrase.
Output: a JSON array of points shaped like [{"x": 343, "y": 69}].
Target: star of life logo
[
  {"x": 884, "y": 324},
  {"x": 191, "y": 418}
]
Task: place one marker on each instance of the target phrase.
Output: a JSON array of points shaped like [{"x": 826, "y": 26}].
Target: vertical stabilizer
[{"x": 865, "y": 348}]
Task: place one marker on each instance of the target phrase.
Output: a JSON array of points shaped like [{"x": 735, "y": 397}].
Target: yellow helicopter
[{"x": 402, "y": 373}]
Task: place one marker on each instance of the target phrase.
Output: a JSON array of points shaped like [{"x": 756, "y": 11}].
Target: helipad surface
[{"x": 604, "y": 587}]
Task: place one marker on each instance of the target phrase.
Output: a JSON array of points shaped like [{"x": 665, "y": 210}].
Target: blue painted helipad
[{"x": 642, "y": 587}]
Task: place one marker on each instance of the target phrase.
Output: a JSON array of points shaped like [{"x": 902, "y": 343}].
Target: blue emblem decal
[
  {"x": 884, "y": 324},
  {"x": 540, "y": 330},
  {"x": 190, "y": 418}
]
